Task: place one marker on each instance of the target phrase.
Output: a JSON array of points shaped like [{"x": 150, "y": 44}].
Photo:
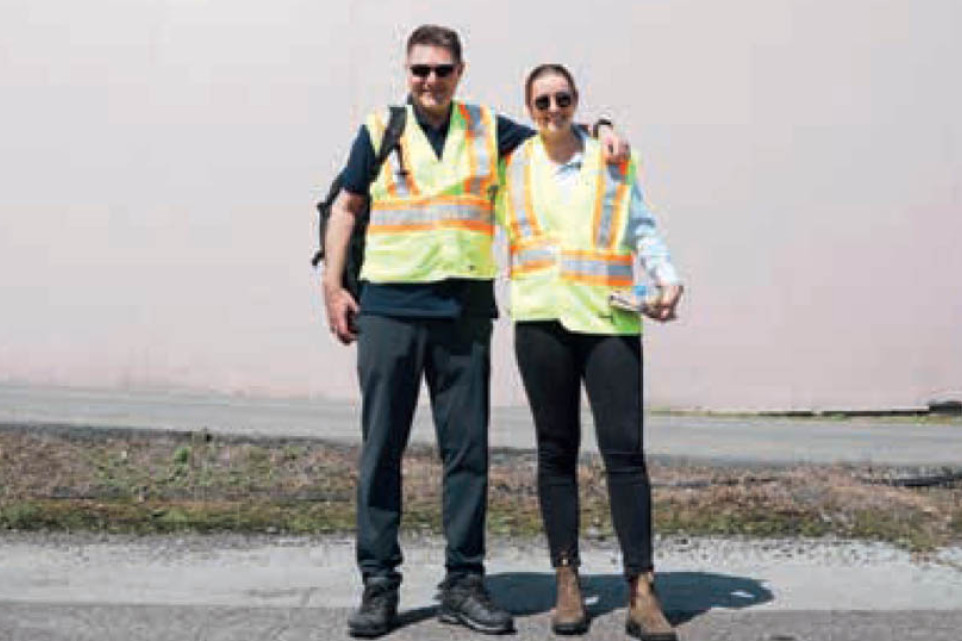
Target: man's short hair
[{"x": 436, "y": 36}]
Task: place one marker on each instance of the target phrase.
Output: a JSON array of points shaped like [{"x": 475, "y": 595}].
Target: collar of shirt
[{"x": 573, "y": 164}]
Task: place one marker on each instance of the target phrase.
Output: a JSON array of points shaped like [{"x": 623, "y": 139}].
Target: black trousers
[
  {"x": 553, "y": 363},
  {"x": 453, "y": 357}
]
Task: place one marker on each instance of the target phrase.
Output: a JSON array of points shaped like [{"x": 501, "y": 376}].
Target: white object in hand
[{"x": 637, "y": 299}]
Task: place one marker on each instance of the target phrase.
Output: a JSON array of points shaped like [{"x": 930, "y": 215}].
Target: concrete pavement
[{"x": 229, "y": 587}]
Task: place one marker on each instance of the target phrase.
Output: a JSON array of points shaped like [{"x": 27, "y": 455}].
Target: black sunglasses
[
  {"x": 441, "y": 71},
  {"x": 563, "y": 99}
]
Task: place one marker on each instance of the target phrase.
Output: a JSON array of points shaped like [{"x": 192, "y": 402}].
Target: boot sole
[
  {"x": 368, "y": 633},
  {"x": 372, "y": 632},
  {"x": 456, "y": 618},
  {"x": 570, "y": 629},
  {"x": 635, "y": 630}
]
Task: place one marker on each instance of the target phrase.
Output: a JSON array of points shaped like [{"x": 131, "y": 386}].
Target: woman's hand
[{"x": 662, "y": 307}]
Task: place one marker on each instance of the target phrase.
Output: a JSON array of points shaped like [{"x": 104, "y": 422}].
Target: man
[{"x": 425, "y": 310}]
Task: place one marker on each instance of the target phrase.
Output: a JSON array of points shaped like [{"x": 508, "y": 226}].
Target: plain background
[{"x": 159, "y": 160}]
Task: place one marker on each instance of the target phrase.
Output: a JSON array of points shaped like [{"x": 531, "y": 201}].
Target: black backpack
[{"x": 355, "y": 251}]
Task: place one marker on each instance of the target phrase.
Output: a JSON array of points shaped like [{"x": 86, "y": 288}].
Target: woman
[{"x": 573, "y": 224}]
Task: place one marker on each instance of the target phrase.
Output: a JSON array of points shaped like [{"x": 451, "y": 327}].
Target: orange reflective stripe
[
  {"x": 377, "y": 134},
  {"x": 406, "y": 187},
  {"x": 599, "y": 200},
  {"x": 469, "y": 185},
  {"x": 596, "y": 267},
  {"x": 532, "y": 220},
  {"x": 609, "y": 198},
  {"x": 412, "y": 186},
  {"x": 598, "y": 255},
  {"x": 522, "y": 220},
  {"x": 448, "y": 213},
  {"x": 480, "y": 147},
  {"x": 528, "y": 268},
  {"x": 469, "y": 200},
  {"x": 532, "y": 255},
  {"x": 492, "y": 154},
  {"x": 515, "y": 203},
  {"x": 470, "y": 225},
  {"x": 594, "y": 279},
  {"x": 618, "y": 209},
  {"x": 389, "y": 182}
]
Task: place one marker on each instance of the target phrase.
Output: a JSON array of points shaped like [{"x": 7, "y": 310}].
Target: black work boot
[
  {"x": 465, "y": 600},
  {"x": 378, "y": 612}
]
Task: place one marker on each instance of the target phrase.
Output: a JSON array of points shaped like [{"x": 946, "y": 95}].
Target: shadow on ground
[
  {"x": 417, "y": 615},
  {"x": 684, "y": 595}
]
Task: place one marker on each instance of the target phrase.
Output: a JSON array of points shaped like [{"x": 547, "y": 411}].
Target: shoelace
[
  {"x": 475, "y": 588},
  {"x": 373, "y": 595}
]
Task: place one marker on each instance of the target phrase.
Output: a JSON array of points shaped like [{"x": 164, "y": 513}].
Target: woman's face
[{"x": 552, "y": 104}]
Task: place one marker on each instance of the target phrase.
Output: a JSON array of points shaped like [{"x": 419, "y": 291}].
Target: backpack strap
[{"x": 391, "y": 140}]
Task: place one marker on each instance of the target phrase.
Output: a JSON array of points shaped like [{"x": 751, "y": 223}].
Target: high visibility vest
[
  {"x": 567, "y": 254},
  {"x": 431, "y": 218}
]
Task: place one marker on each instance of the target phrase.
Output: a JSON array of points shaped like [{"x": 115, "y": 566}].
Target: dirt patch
[{"x": 104, "y": 481}]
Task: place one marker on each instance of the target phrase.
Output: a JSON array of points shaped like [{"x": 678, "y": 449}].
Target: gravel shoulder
[{"x": 72, "y": 479}]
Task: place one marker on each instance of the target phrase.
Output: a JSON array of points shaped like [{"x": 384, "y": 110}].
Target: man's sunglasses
[
  {"x": 441, "y": 71},
  {"x": 563, "y": 99}
]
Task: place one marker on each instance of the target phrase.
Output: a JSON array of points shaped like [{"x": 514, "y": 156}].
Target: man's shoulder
[
  {"x": 511, "y": 135},
  {"x": 376, "y": 119},
  {"x": 523, "y": 149},
  {"x": 474, "y": 105},
  {"x": 356, "y": 174},
  {"x": 480, "y": 110}
]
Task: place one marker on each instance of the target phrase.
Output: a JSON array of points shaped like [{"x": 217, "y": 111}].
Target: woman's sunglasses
[
  {"x": 563, "y": 99},
  {"x": 441, "y": 71}
]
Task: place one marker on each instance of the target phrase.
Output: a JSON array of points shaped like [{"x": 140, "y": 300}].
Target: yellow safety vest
[
  {"x": 431, "y": 218},
  {"x": 568, "y": 255}
]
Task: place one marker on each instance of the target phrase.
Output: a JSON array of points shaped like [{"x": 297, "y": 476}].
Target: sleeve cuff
[{"x": 665, "y": 274}]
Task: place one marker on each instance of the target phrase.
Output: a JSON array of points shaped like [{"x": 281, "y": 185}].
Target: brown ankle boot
[
  {"x": 646, "y": 620},
  {"x": 570, "y": 616}
]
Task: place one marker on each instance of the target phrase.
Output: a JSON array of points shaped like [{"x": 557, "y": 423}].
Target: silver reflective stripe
[
  {"x": 475, "y": 125},
  {"x": 608, "y": 174},
  {"x": 518, "y": 200},
  {"x": 392, "y": 164},
  {"x": 534, "y": 255},
  {"x": 593, "y": 267},
  {"x": 400, "y": 180},
  {"x": 431, "y": 214}
]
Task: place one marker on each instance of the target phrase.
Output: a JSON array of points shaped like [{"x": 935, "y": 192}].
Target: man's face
[{"x": 433, "y": 76}]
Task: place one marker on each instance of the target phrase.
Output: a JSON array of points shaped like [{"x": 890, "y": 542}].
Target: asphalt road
[
  {"x": 23, "y": 622},
  {"x": 897, "y": 441}
]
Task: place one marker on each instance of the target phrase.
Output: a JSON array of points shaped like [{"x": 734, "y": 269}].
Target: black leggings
[{"x": 553, "y": 362}]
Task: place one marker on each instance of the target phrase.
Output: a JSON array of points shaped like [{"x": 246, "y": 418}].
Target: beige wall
[{"x": 159, "y": 160}]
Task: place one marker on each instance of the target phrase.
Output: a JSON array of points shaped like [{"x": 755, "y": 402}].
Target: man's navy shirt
[{"x": 448, "y": 298}]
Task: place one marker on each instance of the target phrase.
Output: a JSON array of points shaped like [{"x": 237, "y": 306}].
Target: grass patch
[{"x": 199, "y": 483}]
